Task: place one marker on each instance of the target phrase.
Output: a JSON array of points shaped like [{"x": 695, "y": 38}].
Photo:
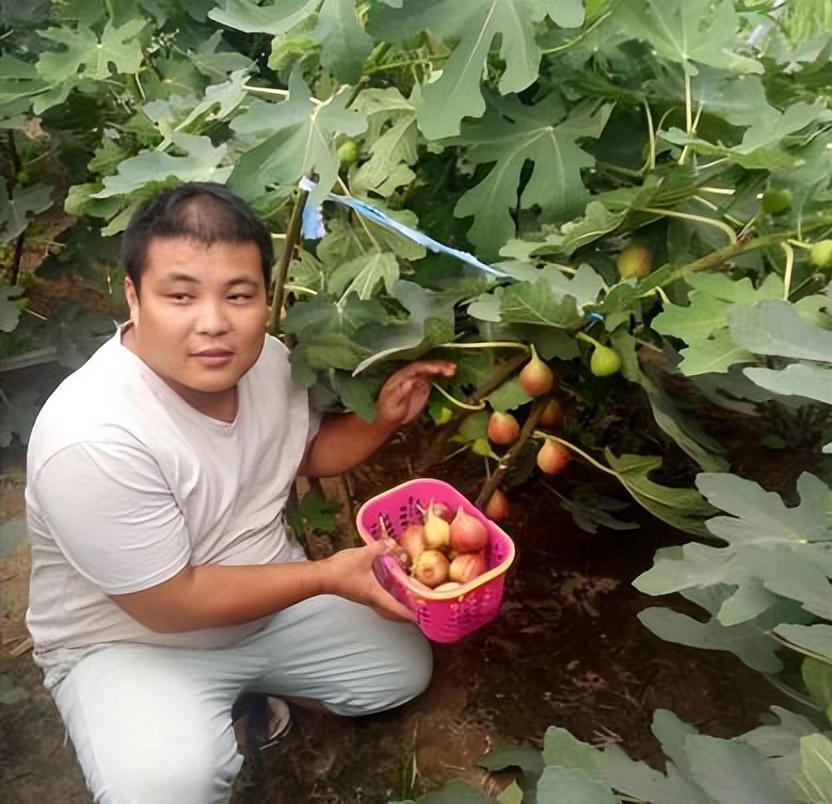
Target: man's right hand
[{"x": 350, "y": 574}]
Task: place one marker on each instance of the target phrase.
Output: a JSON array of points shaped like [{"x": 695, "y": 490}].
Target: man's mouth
[{"x": 214, "y": 358}]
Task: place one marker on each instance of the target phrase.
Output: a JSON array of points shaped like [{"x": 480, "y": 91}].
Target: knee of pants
[
  {"x": 406, "y": 675},
  {"x": 195, "y": 773}
]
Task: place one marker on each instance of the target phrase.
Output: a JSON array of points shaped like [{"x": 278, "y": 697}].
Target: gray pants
[{"x": 152, "y": 725}]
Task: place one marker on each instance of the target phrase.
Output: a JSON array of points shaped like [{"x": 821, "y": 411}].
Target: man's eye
[
  {"x": 240, "y": 297},
  {"x": 180, "y": 297}
]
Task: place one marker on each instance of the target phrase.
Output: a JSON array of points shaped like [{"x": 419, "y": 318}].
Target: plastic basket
[{"x": 442, "y": 616}]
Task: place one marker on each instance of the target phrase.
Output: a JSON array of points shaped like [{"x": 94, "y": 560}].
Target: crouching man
[{"x": 164, "y": 584}]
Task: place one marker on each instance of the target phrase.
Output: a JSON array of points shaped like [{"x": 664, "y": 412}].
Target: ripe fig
[
  {"x": 503, "y": 428},
  {"x": 442, "y": 510},
  {"x": 412, "y": 541},
  {"x": 498, "y": 506},
  {"x": 552, "y": 457},
  {"x": 536, "y": 378},
  {"x": 634, "y": 262},
  {"x": 467, "y": 566},
  {"x": 432, "y": 568},
  {"x": 821, "y": 254},
  {"x": 604, "y": 361},
  {"x": 437, "y": 530},
  {"x": 552, "y": 415},
  {"x": 467, "y": 533}
]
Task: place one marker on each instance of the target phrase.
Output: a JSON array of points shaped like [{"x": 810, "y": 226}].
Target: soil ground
[{"x": 567, "y": 650}]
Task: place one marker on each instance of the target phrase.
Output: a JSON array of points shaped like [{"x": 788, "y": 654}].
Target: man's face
[{"x": 200, "y": 320}]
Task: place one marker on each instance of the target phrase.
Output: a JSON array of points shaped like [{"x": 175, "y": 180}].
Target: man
[{"x": 164, "y": 583}]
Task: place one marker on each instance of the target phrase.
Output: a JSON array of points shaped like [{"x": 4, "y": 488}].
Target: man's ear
[{"x": 132, "y": 296}]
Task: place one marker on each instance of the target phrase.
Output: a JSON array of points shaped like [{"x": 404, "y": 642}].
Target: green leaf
[
  {"x": 315, "y": 512},
  {"x": 814, "y": 781},
  {"x": 683, "y": 508},
  {"x": 689, "y": 32},
  {"x": 513, "y": 794},
  {"x": 512, "y": 135},
  {"x": 202, "y": 163},
  {"x": 731, "y": 771},
  {"x": 638, "y": 779},
  {"x": 9, "y": 306},
  {"x": 776, "y": 328},
  {"x": 473, "y": 27},
  {"x": 760, "y": 517},
  {"x": 536, "y": 303},
  {"x": 430, "y": 323},
  {"x": 817, "y": 676},
  {"x": 798, "y": 379},
  {"x": 753, "y": 648},
  {"x": 591, "y": 510},
  {"x": 525, "y": 757},
  {"x": 299, "y": 142},
  {"x": 356, "y": 394},
  {"x": 17, "y": 212},
  {"x": 87, "y": 56},
  {"x": 362, "y": 274},
  {"x": 273, "y": 19},
  {"x": 715, "y": 355},
  {"x": 509, "y": 396},
  {"x": 454, "y": 792},
  {"x": 561, "y": 748},
  {"x": 814, "y": 640},
  {"x": 572, "y": 786},
  {"x": 344, "y": 43}
]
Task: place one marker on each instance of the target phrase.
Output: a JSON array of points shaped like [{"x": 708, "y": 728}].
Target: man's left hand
[{"x": 405, "y": 394}]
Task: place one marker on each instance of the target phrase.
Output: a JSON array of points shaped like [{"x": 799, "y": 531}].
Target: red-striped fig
[
  {"x": 498, "y": 506},
  {"x": 468, "y": 534},
  {"x": 552, "y": 415},
  {"x": 552, "y": 457},
  {"x": 466, "y": 567},
  {"x": 536, "y": 378},
  {"x": 503, "y": 428}
]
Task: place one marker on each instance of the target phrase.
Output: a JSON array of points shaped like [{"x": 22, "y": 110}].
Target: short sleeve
[
  {"x": 315, "y": 419},
  {"x": 113, "y": 516}
]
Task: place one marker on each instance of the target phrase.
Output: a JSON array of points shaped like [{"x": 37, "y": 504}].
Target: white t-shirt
[{"x": 127, "y": 484}]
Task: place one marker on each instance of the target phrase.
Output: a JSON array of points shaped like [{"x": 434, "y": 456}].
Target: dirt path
[{"x": 568, "y": 650}]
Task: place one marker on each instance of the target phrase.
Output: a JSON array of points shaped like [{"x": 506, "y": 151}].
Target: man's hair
[{"x": 202, "y": 211}]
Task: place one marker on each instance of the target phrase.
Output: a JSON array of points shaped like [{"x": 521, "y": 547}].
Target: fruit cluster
[{"x": 446, "y": 550}]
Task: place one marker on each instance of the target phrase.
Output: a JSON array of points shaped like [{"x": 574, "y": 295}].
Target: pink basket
[{"x": 442, "y": 616}]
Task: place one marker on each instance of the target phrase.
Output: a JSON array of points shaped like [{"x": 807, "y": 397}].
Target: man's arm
[
  {"x": 216, "y": 595},
  {"x": 344, "y": 441}
]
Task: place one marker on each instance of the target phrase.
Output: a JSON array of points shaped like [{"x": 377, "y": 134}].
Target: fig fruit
[
  {"x": 552, "y": 415},
  {"x": 412, "y": 541},
  {"x": 821, "y": 254},
  {"x": 437, "y": 530},
  {"x": 552, "y": 457},
  {"x": 776, "y": 200},
  {"x": 466, "y": 567},
  {"x": 498, "y": 506},
  {"x": 604, "y": 361},
  {"x": 348, "y": 152},
  {"x": 432, "y": 568},
  {"x": 467, "y": 533},
  {"x": 634, "y": 262},
  {"x": 536, "y": 378},
  {"x": 503, "y": 428},
  {"x": 442, "y": 510}
]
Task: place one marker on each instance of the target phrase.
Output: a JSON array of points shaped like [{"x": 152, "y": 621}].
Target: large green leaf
[
  {"x": 813, "y": 640},
  {"x": 299, "y": 140},
  {"x": 362, "y": 274},
  {"x": 537, "y": 303},
  {"x": 798, "y": 379},
  {"x": 683, "y": 508},
  {"x": 689, "y": 32},
  {"x": 814, "y": 780},
  {"x": 203, "y": 162},
  {"x": 512, "y": 135},
  {"x": 473, "y": 27},
  {"x": 17, "y": 212},
  {"x": 344, "y": 43}
]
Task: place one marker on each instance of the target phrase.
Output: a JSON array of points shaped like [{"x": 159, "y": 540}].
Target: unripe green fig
[
  {"x": 536, "y": 378},
  {"x": 634, "y": 262},
  {"x": 503, "y": 428},
  {"x": 776, "y": 200},
  {"x": 348, "y": 152},
  {"x": 604, "y": 361},
  {"x": 821, "y": 254}
]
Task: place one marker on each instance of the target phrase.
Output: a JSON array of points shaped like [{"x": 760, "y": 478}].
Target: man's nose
[{"x": 212, "y": 318}]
